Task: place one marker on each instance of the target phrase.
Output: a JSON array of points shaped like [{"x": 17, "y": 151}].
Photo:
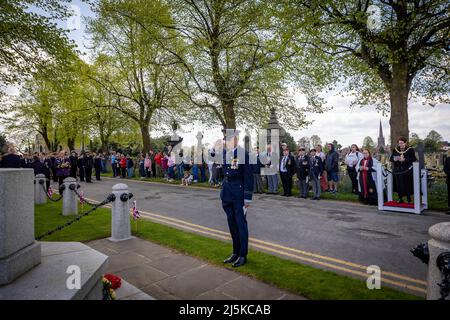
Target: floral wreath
[{"x": 110, "y": 283}]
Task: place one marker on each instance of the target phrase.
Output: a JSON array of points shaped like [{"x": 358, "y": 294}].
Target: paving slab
[
  {"x": 244, "y": 288},
  {"x": 165, "y": 274}
]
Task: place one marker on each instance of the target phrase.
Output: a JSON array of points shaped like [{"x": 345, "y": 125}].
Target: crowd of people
[{"x": 314, "y": 169}]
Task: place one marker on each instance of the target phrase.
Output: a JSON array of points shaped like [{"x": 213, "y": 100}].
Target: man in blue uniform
[{"x": 236, "y": 195}]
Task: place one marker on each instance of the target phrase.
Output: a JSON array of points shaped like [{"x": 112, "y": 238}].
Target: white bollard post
[
  {"x": 380, "y": 186},
  {"x": 120, "y": 213},
  {"x": 417, "y": 197},
  {"x": 439, "y": 243},
  {"x": 70, "y": 200},
  {"x": 40, "y": 188}
]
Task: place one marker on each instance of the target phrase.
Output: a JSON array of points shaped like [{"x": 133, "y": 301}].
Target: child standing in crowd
[
  {"x": 113, "y": 163},
  {"x": 315, "y": 171},
  {"x": 170, "y": 165},
  {"x": 130, "y": 166},
  {"x": 187, "y": 178},
  {"x": 148, "y": 166},
  {"x": 164, "y": 165},
  {"x": 351, "y": 160},
  {"x": 141, "y": 162},
  {"x": 158, "y": 168},
  {"x": 123, "y": 166},
  {"x": 332, "y": 168}
]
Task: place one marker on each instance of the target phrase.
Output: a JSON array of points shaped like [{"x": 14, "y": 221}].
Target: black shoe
[
  {"x": 240, "y": 262},
  {"x": 448, "y": 212},
  {"x": 231, "y": 258}
]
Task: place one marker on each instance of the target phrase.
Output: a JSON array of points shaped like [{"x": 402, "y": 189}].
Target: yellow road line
[
  {"x": 325, "y": 264},
  {"x": 267, "y": 246}
]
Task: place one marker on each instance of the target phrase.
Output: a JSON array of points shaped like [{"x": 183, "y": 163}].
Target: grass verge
[{"x": 297, "y": 278}]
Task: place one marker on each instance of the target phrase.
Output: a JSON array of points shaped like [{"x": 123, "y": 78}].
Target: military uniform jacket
[
  {"x": 238, "y": 178},
  {"x": 302, "y": 166}
]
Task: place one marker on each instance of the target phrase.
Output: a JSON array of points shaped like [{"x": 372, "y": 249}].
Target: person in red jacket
[
  {"x": 158, "y": 168},
  {"x": 123, "y": 166}
]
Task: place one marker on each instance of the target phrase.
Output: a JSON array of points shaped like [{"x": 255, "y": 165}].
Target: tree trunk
[
  {"x": 145, "y": 137},
  {"x": 71, "y": 143},
  {"x": 399, "y": 90},
  {"x": 229, "y": 114},
  {"x": 44, "y": 134}
]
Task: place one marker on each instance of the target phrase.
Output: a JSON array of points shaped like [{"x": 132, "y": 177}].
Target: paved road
[{"x": 313, "y": 232}]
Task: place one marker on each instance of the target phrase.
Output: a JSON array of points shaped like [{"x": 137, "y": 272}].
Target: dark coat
[
  {"x": 290, "y": 165},
  {"x": 38, "y": 167},
  {"x": 238, "y": 183},
  {"x": 11, "y": 161},
  {"x": 97, "y": 163},
  {"x": 315, "y": 167},
  {"x": 447, "y": 169},
  {"x": 403, "y": 182},
  {"x": 302, "y": 166},
  {"x": 332, "y": 161},
  {"x": 88, "y": 162},
  {"x": 367, "y": 186}
]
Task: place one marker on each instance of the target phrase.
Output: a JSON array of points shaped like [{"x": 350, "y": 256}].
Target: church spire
[{"x": 381, "y": 142}]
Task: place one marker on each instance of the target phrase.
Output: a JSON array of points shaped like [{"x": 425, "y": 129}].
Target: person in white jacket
[{"x": 351, "y": 160}]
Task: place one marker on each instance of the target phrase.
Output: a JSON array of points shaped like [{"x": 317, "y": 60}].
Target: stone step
[{"x": 48, "y": 280}]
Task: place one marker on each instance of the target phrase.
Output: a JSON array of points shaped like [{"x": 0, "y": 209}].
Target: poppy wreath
[{"x": 110, "y": 283}]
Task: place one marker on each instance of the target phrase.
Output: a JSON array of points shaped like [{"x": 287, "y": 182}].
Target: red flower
[{"x": 116, "y": 281}]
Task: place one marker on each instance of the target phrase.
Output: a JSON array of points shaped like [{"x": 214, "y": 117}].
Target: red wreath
[{"x": 116, "y": 281}]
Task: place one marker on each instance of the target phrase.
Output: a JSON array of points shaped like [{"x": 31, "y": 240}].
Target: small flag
[
  {"x": 50, "y": 191},
  {"x": 82, "y": 197},
  {"x": 136, "y": 214}
]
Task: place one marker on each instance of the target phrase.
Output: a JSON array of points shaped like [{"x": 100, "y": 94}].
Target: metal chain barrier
[
  {"x": 111, "y": 197},
  {"x": 81, "y": 197},
  {"x": 61, "y": 188}
]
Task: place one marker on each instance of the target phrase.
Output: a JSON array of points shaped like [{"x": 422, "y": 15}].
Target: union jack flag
[
  {"x": 50, "y": 191},
  {"x": 135, "y": 211},
  {"x": 82, "y": 197}
]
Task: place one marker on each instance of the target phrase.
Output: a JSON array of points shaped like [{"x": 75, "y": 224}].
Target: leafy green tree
[
  {"x": 369, "y": 144},
  {"x": 384, "y": 51},
  {"x": 315, "y": 140},
  {"x": 235, "y": 56},
  {"x": 30, "y": 39},
  {"x": 414, "y": 140},
  {"x": 432, "y": 141},
  {"x": 139, "y": 72},
  {"x": 289, "y": 140}
]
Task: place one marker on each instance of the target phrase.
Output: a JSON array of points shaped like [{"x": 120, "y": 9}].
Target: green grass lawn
[{"x": 297, "y": 278}]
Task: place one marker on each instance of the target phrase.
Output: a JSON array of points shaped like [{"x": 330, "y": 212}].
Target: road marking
[
  {"x": 325, "y": 264},
  {"x": 282, "y": 250}
]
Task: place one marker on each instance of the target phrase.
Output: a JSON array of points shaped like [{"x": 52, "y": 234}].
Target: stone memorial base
[
  {"x": 48, "y": 280},
  {"x": 19, "y": 262}
]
